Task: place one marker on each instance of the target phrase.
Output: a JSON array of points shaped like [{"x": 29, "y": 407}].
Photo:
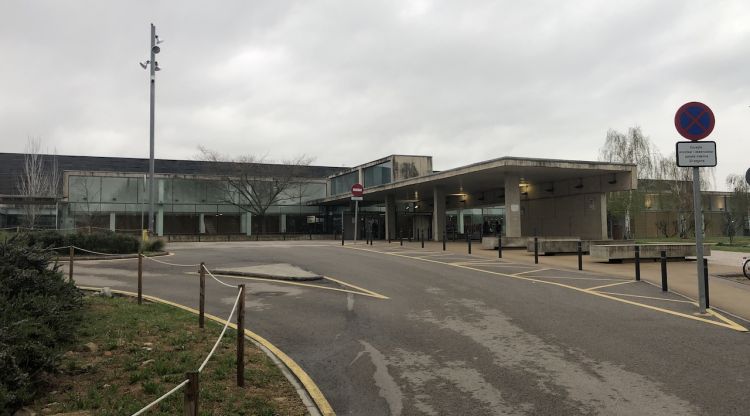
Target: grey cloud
[{"x": 350, "y": 81}]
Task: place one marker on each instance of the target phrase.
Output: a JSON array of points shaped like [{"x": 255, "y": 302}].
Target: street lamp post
[{"x": 153, "y": 67}]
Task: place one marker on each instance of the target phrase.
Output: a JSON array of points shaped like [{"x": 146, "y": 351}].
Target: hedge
[
  {"x": 104, "y": 242},
  {"x": 39, "y": 314}
]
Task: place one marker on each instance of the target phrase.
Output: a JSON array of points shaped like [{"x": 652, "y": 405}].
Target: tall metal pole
[
  {"x": 152, "y": 67},
  {"x": 356, "y": 219},
  {"x": 699, "y": 238}
]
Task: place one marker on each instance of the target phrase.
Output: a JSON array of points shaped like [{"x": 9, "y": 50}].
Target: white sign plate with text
[{"x": 696, "y": 154}]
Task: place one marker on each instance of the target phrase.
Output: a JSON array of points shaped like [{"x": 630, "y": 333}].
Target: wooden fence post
[
  {"x": 202, "y": 299},
  {"x": 241, "y": 338},
  {"x": 70, "y": 260},
  {"x": 191, "y": 394},
  {"x": 140, "y": 278}
]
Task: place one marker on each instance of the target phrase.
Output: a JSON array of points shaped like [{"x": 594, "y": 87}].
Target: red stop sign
[{"x": 357, "y": 189}]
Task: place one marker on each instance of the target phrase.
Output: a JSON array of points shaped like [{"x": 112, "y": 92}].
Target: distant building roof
[{"x": 11, "y": 166}]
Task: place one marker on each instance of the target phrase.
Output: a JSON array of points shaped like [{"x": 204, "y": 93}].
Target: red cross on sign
[{"x": 694, "y": 121}]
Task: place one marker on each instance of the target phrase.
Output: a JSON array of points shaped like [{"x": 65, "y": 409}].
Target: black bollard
[
  {"x": 443, "y": 240},
  {"x": 664, "y": 285},
  {"x": 580, "y": 256},
  {"x": 401, "y": 237},
  {"x": 637, "y": 263},
  {"x": 536, "y": 250},
  {"x": 342, "y": 236},
  {"x": 499, "y": 247},
  {"x": 705, "y": 278},
  {"x": 468, "y": 241},
  {"x": 422, "y": 235}
]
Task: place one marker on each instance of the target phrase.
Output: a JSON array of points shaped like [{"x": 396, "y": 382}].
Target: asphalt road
[{"x": 461, "y": 335}]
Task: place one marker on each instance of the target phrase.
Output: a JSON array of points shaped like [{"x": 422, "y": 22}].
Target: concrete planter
[{"x": 619, "y": 252}]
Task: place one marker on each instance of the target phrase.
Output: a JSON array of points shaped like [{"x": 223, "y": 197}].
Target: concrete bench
[
  {"x": 619, "y": 252},
  {"x": 551, "y": 246},
  {"x": 490, "y": 243}
]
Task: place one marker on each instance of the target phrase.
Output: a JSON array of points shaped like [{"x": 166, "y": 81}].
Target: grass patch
[{"x": 141, "y": 352}]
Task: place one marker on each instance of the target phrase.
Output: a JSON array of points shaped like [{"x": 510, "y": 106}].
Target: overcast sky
[{"x": 347, "y": 82}]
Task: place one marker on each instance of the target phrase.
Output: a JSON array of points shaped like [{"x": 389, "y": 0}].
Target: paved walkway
[{"x": 726, "y": 294}]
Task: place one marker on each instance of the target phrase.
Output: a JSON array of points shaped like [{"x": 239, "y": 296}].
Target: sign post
[
  {"x": 357, "y": 191},
  {"x": 695, "y": 121}
]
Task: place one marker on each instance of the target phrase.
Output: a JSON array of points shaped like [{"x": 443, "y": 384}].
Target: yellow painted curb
[{"x": 312, "y": 388}]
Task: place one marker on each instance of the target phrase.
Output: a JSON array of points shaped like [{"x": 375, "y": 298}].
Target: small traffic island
[
  {"x": 616, "y": 253},
  {"x": 274, "y": 271}
]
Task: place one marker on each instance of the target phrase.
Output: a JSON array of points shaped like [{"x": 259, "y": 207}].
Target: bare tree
[
  {"x": 39, "y": 178},
  {"x": 736, "y": 213},
  {"x": 635, "y": 148},
  {"x": 254, "y": 185},
  {"x": 676, "y": 191},
  {"x": 87, "y": 196}
]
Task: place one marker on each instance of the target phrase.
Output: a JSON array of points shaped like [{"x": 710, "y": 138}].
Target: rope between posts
[
  {"x": 167, "y": 394},
  {"x": 56, "y": 248},
  {"x": 215, "y": 278},
  {"x": 95, "y": 252},
  {"x": 226, "y": 325},
  {"x": 172, "y": 264}
]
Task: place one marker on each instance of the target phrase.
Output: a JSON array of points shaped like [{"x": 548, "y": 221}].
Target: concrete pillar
[
  {"x": 390, "y": 217},
  {"x": 438, "y": 213},
  {"x": 603, "y": 215},
  {"x": 282, "y": 223},
  {"x": 160, "y": 213},
  {"x": 112, "y": 221},
  {"x": 202, "y": 223},
  {"x": 460, "y": 221},
  {"x": 160, "y": 221},
  {"x": 248, "y": 223},
  {"x": 160, "y": 193},
  {"x": 512, "y": 206}
]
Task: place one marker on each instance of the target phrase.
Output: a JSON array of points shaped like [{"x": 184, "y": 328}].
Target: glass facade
[
  {"x": 378, "y": 174},
  {"x": 343, "y": 183},
  {"x": 187, "y": 206}
]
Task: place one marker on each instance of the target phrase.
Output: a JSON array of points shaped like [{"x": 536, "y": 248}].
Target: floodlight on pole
[{"x": 153, "y": 66}]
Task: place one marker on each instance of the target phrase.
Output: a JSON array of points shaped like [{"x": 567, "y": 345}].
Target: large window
[
  {"x": 342, "y": 184},
  {"x": 378, "y": 174}
]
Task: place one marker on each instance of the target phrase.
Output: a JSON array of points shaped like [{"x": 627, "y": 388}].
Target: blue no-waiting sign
[{"x": 694, "y": 121}]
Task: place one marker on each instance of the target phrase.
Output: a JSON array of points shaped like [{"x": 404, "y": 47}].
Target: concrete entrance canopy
[{"x": 544, "y": 196}]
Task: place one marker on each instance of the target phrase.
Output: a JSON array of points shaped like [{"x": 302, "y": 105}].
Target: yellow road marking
[
  {"x": 734, "y": 326},
  {"x": 490, "y": 263},
  {"x": 725, "y": 319},
  {"x": 611, "y": 284},
  {"x": 578, "y": 278},
  {"x": 312, "y": 388},
  {"x": 530, "y": 271},
  {"x": 370, "y": 292},
  {"x": 649, "y": 297},
  {"x": 364, "y": 292}
]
